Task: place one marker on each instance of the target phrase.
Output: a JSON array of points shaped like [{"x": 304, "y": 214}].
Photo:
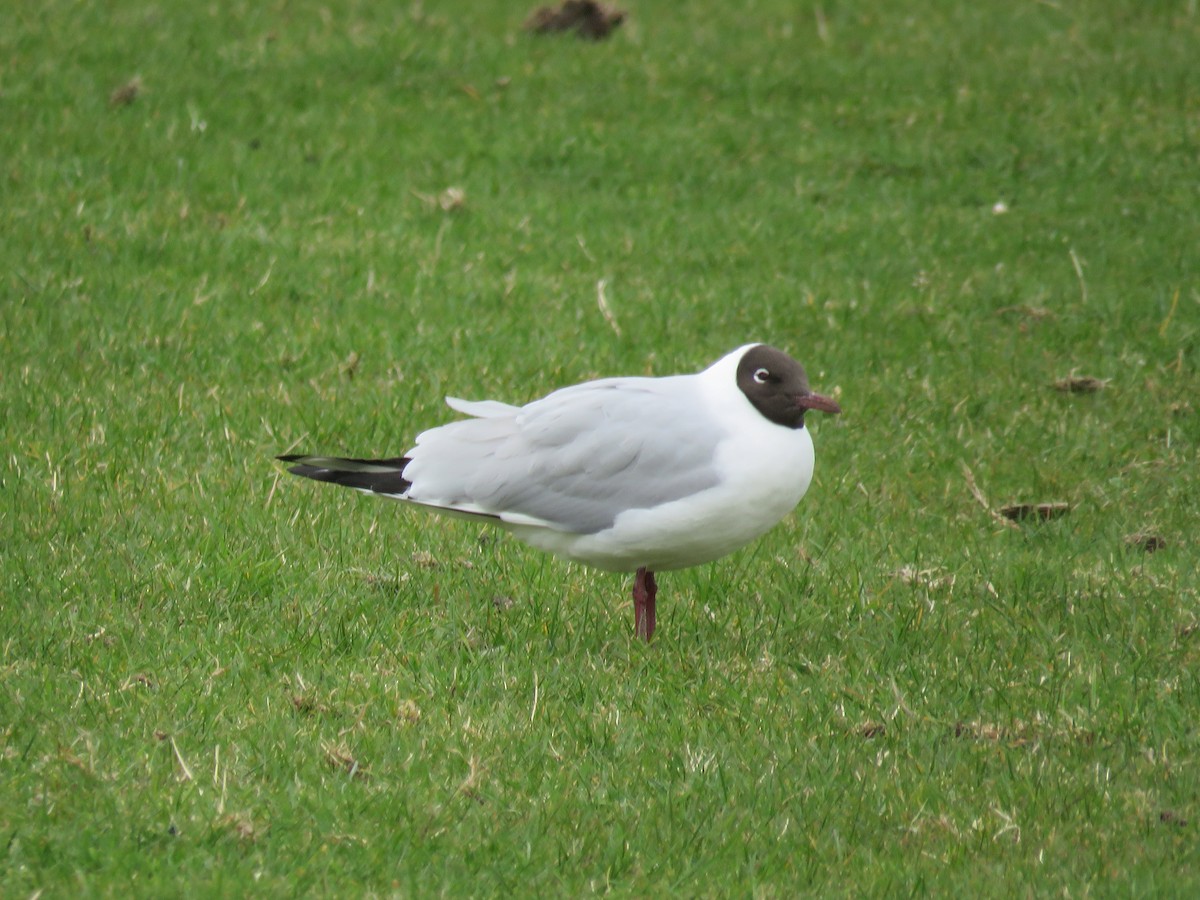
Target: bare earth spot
[
  {"x": 1080, "y": 384},
  {"x": 126, "y": 93},
  {"x": 586, "y": 18},
  {"x": 1147, "y": 542},
  {"x": 1020, "y": 511}
]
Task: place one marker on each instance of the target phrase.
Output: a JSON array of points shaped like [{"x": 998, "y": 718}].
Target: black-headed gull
[{"x": 624, "y": 474}]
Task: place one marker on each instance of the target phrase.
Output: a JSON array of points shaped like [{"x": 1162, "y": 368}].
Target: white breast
[{"x": 765, "y": 469}]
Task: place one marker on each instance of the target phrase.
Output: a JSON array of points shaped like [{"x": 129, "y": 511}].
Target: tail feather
[{"x": 380, "y": 476}]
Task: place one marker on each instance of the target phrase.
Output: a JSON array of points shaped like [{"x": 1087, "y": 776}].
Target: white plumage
[{"x": 624, "y": 474}]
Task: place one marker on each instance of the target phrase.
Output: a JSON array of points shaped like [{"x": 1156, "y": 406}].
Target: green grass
[{"x": 217, "y": 680}]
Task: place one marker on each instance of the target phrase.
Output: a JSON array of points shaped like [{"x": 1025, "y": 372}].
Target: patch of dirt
[
  {"x": 1044, "y": 511},
  {"x": 126, "y": 93},
  {"x": 1080, "y": 384},
  {"x": 1148, "y": 543},
  {"x": 587, "y": 18}
]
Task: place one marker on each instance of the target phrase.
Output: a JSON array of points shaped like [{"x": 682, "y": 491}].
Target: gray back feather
[{"x": 574, "y": 459}]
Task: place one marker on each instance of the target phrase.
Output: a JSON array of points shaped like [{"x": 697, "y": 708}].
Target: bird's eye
[{"x": 761, "y": 376}]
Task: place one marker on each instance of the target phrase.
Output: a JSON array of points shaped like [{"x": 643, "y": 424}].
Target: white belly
[{"x": 764, "y": 474}]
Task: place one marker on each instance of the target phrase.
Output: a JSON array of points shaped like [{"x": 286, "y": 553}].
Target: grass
[{"x": 216, "y": 680}]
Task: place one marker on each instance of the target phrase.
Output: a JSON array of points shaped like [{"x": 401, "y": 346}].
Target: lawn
[{"x": 231, "y": 230}]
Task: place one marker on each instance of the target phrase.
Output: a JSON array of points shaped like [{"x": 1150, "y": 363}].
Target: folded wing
[{"x": 572, "y": 461}]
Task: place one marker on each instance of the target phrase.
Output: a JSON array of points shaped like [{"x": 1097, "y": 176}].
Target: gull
[{"x": 633, "y": 474}]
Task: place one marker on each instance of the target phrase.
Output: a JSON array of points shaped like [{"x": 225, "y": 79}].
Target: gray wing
[{"x": 574, "y": 460}]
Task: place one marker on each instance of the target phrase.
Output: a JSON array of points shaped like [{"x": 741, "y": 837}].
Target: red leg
[{"x": 644, "y": 590}]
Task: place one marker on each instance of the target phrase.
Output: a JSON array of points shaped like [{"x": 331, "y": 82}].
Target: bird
[{"x": 628, "y": 474}]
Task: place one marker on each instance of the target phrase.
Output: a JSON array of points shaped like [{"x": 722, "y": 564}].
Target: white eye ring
[{"x": 761, "y": 376}]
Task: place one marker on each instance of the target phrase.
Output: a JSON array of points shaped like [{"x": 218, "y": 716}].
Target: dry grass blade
[
  {"x": 339, "y": 757},
  {"x": 981, "y": 498},
  {"x": 605, "y": 309},
  {"x": 930, "y": 579}
]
